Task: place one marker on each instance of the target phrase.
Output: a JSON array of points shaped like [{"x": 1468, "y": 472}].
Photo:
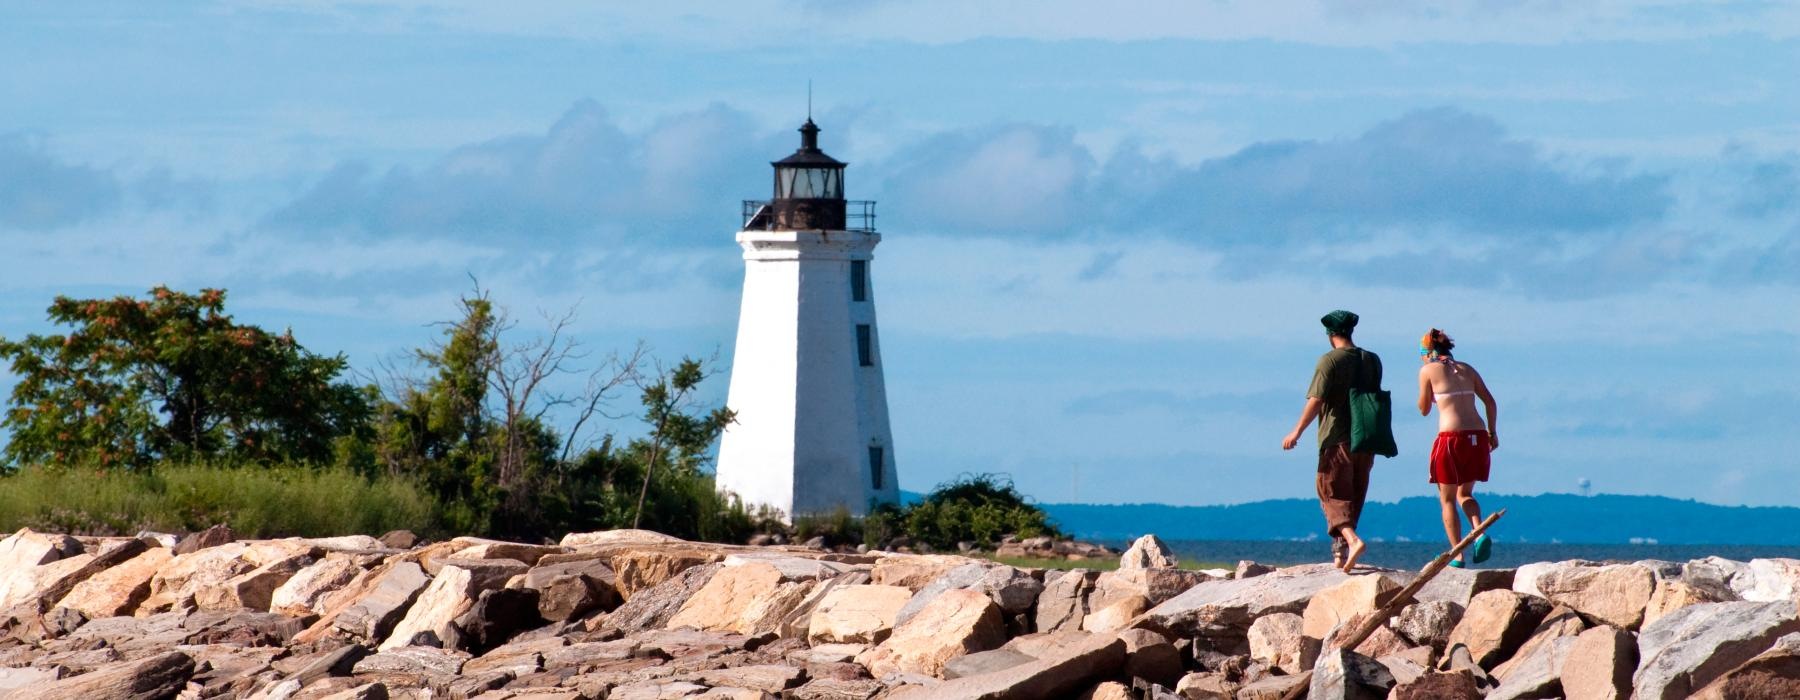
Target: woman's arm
[
  {"x": 1493, "y": 408},
  {"x": 1425, "y": 400}
]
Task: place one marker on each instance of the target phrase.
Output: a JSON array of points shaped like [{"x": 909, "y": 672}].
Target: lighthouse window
[
  {"x": 865, "y": 345},
  {"x": 875, "y": 466},
  {"x": 859, "y": 280}
]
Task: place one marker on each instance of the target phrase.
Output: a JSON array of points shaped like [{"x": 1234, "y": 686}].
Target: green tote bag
[{"x": 1372, "y": 420}]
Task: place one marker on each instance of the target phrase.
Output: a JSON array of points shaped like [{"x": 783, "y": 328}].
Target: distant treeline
[{"x": 1544, "y": 518}]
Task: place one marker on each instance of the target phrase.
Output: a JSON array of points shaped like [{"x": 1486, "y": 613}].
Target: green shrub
[
  {"x": 255, "y": 501},
  {"x": 978, "y": 508}
]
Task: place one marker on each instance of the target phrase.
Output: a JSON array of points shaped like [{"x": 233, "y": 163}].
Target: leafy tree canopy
[{"x": 171, "y": 377}]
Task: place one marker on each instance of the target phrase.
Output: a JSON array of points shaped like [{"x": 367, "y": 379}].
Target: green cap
[{"x": 1339, "y": 322}]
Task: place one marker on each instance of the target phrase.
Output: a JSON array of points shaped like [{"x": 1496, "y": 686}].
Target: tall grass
[{"x": 254, "y": 501}]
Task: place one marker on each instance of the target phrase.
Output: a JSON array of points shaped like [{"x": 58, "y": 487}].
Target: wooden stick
[{"x": 1399, "y": 599}]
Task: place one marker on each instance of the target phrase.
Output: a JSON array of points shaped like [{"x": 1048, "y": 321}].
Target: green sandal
[
  {"x": 1456, "y": 563},
  {"x": 1484, "y": 548}
]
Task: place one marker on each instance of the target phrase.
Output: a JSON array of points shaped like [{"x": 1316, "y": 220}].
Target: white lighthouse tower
[{"x": 812, "y": 425}]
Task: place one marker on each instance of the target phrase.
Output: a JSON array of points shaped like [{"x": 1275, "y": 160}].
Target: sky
[{"x": 1108, "y": 231}]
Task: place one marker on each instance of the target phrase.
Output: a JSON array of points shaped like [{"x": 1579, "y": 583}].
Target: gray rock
[
  {"x": 1055, "y": 676},
  {"x": 1428, "y": 623},
  {"x": 1012, "y": 589},
  {"x": 1347, "y": 675},
  {"x": 1248, "y": 569},
  {"x": 1718, "y": 577},
  {"x": 1150, "y": 656},
  {"x": 153, "y": 678},
  {"x": 1229, "y": 606},
  {"x": 1149, "y": 552},
  {"x": 1536, "y": 674},
  {"x": 373, "y": 616},
  {"x": 982, "y": 662},
  {"x": 210, "y": 537},
  {"x": 424, "y": 661},
  {"x": 1064, "y": 601},
  {"x": 1685, "y": 650},
  {"x": 1459, "y": 586},
  {"x": 651, "y": 608}
]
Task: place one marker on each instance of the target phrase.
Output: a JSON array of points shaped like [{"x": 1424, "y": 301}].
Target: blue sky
[{"x": 1108, "y": 234}]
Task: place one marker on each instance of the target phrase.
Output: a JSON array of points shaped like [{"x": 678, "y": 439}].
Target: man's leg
[{"x": 1359, "y": 466}]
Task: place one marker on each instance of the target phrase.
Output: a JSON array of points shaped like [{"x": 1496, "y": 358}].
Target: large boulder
[
  {"x": 1151, "y": 657},
  {"x": 1359, "y": 595},
  {"x": 1346, "y": 675},
  {"x": 254, "y": 589},
  {"x": 570, "y": 588},
  {"x": 1772, "y": 580},
  {"x": 1460, "y": 586},
  {"x": 1115, "y": 615},
  {"x": 1535, "y": 672},
  {"x": 430, "y": 620},
  {"x": 1772, "y": 674},
  {"x": 1154, "y": 585},
  {"x": 1148, "y": 552},
  {"x": 749, "y": 599},
  {"x": 28, "y": 548},
  {"x": 1722, "y": 579},
  {"x": 857, "y": 614},
  {"x": 481, "y": 548},
  {"x": 1600, "y": 665},
  {"x": 1014, "y": 590},
  {"x": 118, "y": 590},
  {"x": 159, "y": 676},
  {"x": 1233, "y": 604},
  {"x": 617, "y": 537},
  {"x": 651, "y": 608},
  {"x": 1693, "y": 646},
  {"x": 1616, "y": 595},
  {"x": 1059, "y": 675},
  {"x": 1496, "y": 623},
  {"x": 1561, "y": 622},
  {"x": 1525, "y": 578},
  {"x": 304, "y": 593},
  {"x": 376, "y": 612},
  {"x": 1672, "y": 595},
  {"x": 1428, "y": 623},
  {"x": 1278, "y": 639},
  {"x": 176, "y": 583},
  {"x": 1064, "y": 602},
  {"x": 913, "y": 572},
  {"x": 214, "y": 536},
  {"x": 956, "y": 622},
  {"x": 640, "y": 569},
  {"x": 40, "y": 587}
]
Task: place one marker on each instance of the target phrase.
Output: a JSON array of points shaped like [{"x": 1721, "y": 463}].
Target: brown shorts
[{"x": 1343, "y": 483}]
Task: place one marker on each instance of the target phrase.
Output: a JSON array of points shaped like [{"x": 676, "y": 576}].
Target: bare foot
[{"x": 1356, "y": 550}]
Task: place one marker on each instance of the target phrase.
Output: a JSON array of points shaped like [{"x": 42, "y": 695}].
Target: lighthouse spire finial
[{"x": 809, "y": 99}]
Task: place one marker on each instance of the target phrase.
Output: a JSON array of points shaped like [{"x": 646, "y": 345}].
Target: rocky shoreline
[{"x": 637, "y": 615}]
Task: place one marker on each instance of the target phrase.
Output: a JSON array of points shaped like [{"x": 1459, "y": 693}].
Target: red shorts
[{"x": 1459, "y": 457}]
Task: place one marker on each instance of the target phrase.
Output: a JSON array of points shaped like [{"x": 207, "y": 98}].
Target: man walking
[{"x": 1343, "y": 478}]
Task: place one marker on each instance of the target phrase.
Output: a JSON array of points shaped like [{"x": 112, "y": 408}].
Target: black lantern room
[{"x": 809, "y": 187}]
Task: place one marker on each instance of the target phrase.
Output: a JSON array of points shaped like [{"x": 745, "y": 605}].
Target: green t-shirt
[{"x": 1339, "y": 370}]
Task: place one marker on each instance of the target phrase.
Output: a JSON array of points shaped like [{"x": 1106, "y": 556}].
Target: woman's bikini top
[{"x": 1469, "y": 392}]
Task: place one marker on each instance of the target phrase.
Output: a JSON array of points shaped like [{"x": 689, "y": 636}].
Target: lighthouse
[{"x": 811, "y": 434}]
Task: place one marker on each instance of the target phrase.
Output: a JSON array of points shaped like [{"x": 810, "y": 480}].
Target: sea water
[{"x": 1413, "y": 555}]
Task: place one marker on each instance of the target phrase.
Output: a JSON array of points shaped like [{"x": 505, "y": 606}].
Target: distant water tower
[
  {"x": 806, "y": 377},
  {"x": 1585, "y": 485}
]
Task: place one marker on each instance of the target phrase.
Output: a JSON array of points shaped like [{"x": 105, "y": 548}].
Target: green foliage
[
  {"x": 171, "y": 377},
  {"x": 278, "y": 501},
  {"x": 679, "y": 437},
  {"x": 978, "y": 508}
]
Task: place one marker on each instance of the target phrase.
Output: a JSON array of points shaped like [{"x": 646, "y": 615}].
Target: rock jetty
[{"x": 636, "y": 615}]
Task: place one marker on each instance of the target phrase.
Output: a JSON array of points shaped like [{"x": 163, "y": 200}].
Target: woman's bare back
[{"x": 1453, "y": 387}]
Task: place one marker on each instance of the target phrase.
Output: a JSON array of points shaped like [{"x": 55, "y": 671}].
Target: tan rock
[
  {"x": 1206, "y": 686},
  {"x": 1496, "y": 623},
  {"x": 1149, "y": 552},
  {"x": 613, "y": 537},
  {"x": 175, "y": 585},
  {"x": 449, "y": 595},
  {"x": 1064, "y": 602},
  {"x": 379, "y": 605},
  {"x": 27, "y": 584},
  {"x": 639, "y": 569},
  {"x": 1110, "y": 690},
  {"x": 1116, "y": 616},
  {"x": 1428, "y": 622},
  {"x": 1060, "y": 675},
  {"x": 1671, "y": 595},
  {"x": 1616, "y": 594},
  {"x": 1561, "y": 622},
  {"x": 1271, "y": 688},
  {"x": 749, "y": 599},
  {"x": 912, "y": 572},
  {"x": 1440, "y": 685},
  {"x": 1276, "y": 639},
  {"x": 252, "y": 589},
  {"x": 1600, "y": 665},
  {"x": 479, "y": 548},
  {"x": 27, "y": 548},
  {"x": 957, "y": 622},
  {"x": 1355, "y": 596},
  {"x": 1155, "y": 585},
  {"x": 1772, "y": 674},
  {"x": 159, "y": 676},
  {"x": 1151, "y": 657},
  {"x": 118, "y": 590},
  {"x": 857, "y": 614},
  {"x": 304, "y": 593}
]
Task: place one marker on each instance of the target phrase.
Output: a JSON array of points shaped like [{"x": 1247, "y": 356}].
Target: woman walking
[{"x": 1460, "y": 457}]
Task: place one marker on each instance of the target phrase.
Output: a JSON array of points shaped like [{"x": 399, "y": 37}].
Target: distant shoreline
[{"x": 1412, "y": 555}]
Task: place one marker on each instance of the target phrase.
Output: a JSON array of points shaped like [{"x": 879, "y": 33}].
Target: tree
[
  {"x": 171, "y": 377},
  {"x": 687, "y": 435}
]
